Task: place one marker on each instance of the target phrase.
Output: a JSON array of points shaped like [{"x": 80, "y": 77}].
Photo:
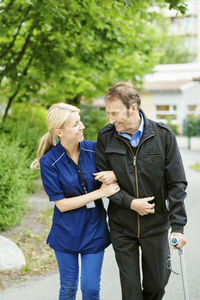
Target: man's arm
[
  {"x": 122, "y": 198},
  {"x": 176, "y": 185}
]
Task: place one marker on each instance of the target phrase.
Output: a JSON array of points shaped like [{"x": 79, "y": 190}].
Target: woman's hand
[
  {"x": 105, "y": 176},
  {"x": 108, "y": 190}
]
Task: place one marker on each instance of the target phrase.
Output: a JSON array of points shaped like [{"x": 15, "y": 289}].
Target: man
[{"x": 145, "y": 158}]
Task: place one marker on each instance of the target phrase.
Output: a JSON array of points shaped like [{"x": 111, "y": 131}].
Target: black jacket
[{"x": 155, "y": 169}]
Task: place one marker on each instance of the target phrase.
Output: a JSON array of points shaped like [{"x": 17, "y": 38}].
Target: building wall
[
  {"x": 147, "y": 104},
  {"x": 191, "y": 100},
  {"x": 171, "y": 102},
  {"x": 198, "y": 110},
  {"x": 198, "y": 31}
]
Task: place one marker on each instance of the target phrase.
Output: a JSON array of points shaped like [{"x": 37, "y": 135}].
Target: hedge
[
  {"x": 18, "y": 144},
  {"x": 13, "y": 178}
]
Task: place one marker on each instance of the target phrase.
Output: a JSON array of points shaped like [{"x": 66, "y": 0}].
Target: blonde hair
[{"x": 57, "y": 117}]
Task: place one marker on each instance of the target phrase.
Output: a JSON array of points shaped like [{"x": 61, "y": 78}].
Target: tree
[{"x": 55, "y": 50}]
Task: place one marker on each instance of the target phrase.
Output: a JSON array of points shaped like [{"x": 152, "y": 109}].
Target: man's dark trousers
[{"x": 155, "y": 256}]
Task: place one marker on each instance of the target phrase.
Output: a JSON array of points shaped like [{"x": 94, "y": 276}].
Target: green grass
[{"x": 196, "y": 167}]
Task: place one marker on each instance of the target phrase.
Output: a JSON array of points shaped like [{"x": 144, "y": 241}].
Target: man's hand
[
  {"x": 142, "y": 206},
  {"x": 181, "y": 240}
]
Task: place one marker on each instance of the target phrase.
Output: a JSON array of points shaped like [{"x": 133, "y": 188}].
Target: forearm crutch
[{"x": 174, "y": 242}]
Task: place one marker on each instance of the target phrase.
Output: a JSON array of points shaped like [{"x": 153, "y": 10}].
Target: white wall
[
  {"x": 191, "y": 96},
  {"x": 170, "y": 98}
]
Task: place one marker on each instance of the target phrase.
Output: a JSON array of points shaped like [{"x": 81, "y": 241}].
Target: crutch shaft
[
  {"x": 174, "y": 242},
  {"x": 183, "y": 273}
]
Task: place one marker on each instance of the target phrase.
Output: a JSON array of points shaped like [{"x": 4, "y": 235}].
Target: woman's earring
[{"x": 56, "y": 140}]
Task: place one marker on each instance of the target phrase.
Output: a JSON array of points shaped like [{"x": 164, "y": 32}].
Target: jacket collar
[{"x": 148, "y": 127}]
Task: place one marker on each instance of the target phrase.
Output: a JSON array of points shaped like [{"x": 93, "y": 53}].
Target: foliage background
[
  {"x": 57, "y": 50},
  {"x": 18, "y": 143}
]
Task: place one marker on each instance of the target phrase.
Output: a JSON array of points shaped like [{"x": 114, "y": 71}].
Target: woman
[{"x": 79, "y": 220}]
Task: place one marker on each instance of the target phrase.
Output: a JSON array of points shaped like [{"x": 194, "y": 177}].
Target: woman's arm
[
  {"x": 106, "y": 190},
  {"x": 105, "y": 176}
]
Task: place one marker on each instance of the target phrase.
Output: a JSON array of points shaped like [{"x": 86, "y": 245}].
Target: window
[
  {"x": 166, "y": 117},
  {"x": 191, "y": 107},
  {"x": 166, "y": 112},
  {"x": 162, "y": 107}
]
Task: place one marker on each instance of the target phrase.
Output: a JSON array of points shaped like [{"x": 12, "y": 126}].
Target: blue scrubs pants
[{"x": 69, "y": 272}]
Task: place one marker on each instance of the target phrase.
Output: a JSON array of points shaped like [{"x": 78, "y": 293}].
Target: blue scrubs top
[{"x": 83, "y": 230}]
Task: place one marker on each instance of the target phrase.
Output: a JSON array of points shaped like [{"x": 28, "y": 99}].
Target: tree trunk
[
  {"x": 21, "y": 54},
  {"x": 10, "y": 100},
  {"x": 9, "y": 5}
]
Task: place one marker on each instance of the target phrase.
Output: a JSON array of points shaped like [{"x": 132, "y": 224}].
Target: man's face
[{"x": 124, "y": 119}]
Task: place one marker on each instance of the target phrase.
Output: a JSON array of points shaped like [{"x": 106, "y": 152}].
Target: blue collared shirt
[{"x": 135, "y": 139}]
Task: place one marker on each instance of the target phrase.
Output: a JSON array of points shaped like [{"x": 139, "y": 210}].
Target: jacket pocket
[
  {"x": 118, "y": 160},
  {"x": 164, "y": 202}
]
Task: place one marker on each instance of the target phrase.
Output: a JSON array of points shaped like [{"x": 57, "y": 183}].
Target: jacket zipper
[{"x": 136, "y": 175}]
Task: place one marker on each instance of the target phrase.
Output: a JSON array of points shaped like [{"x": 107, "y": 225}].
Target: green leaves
[
  {"x": 72, "y": 48},
  {"x": 178, "y": 5}
]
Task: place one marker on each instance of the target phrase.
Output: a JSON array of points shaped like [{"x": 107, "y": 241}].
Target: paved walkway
[{"x": 46, "y": 287}]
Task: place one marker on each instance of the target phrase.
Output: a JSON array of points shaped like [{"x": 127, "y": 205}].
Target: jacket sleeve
[
  {"x": 176, "y": 184},
  {"x": 122, "y": 198}
]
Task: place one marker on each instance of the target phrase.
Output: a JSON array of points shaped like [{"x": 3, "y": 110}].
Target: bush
[
  {"x": 25, "y": 125},
  {"x": 174, "y": 127},
  {"x": 191, "y": 127},
  {"x": 94, "y": 120},
  {"x": 18, "y": 145},
  {"x": 13, "y": 178}
]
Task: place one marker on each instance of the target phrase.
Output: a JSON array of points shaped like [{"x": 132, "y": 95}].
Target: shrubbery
[
  {"x": 174, "y": 127},
  {"x": 13, "y": 178},
  {"x": 25, "y": 125},
  {"x": 191, "y": 127},
  {"x": 18, "y": 144},
  {"x": 93, "y": 120}
]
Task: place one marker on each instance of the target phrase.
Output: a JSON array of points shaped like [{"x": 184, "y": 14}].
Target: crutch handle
[{"x": 174, "y": 241}]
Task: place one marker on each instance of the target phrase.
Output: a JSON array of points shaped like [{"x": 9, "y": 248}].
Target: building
[
  {"x": 187, "y": 26},
  {"x": 172, "y": 93}
]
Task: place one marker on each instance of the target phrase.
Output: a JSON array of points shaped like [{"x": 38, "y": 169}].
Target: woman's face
[{"x": 72, "y": 132}]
